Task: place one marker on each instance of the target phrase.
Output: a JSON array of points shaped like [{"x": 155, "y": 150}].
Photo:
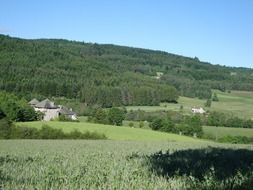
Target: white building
[
  {"x": 51, "y": 111},
  {"x": 198, "y": 110}
]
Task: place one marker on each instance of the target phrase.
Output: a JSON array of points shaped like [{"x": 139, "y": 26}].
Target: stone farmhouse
[{"x": 52, "y": 111}]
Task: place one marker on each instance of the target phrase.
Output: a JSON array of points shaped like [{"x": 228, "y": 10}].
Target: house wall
[{"x": 49, "y": 113}]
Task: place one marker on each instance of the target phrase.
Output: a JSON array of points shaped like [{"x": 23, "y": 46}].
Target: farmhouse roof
[
  {"x": 34, "y": 101},
  {"x": 66, "y": 111},
  {"x": 46, "y": 104}
]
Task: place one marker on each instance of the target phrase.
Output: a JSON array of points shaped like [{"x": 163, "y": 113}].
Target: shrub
[
  {"x": 100, "y": 116},
  {"x": 9, "y": 131},
  {"x": 190, "y": 130},
  {"x": 131, "y": 124},
  {"x": 74, "y": 134},
  {"x": 141, "y": 124},
  {"x": 156, "y": 124},
  {"x": 26, "y": 113},
  {"x": 234, "y": 139},
  {"x": 16, "y": 109},
  {"x": 47, "y": 132},
  {"x": 168, "y": 126},
  {"x": 6, "y": 128},
  {"x": 116, "y": 116},
  {"x": 65, "y": 118},
  {"x": 25, "y": 133},
  {"x": 208, "y": 103},
  {"x": 215, "y": 97}
]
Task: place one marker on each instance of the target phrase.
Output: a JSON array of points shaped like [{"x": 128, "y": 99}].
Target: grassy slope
[
  {"x": 113, "y": 132},
  {"x": 224, "y": 131},
  {"x": 239, "y": 103}
]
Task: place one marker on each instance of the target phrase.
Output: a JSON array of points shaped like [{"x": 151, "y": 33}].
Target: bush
[
  {"x": 9, "y": 131},
  {"x": 131, "y": 124},
  {"x": 190, "y": 130},
  {"x": 100, "y": 116},
  {"x": 215, "y": 97},
  {"x": 25, "y": 133},
  {"x": 6, "y": 128},
  {"x": 47, "y": 132},
  {"x": 168, "y": 126},
  {"x": 208, "y": 103},
  {"x": 216, "y": 119},
  {"x": 116, "y": 116},
  {"x": 26, "y": 113},
  {"x": 141, "y": 124},
  {"x": 235, "y": 139},
  {"x": 65, "y": 118},
  {"x": 221, "y": 119},
  {"x": 156, "y": 124},
  {"x": 16, "y": 109}
]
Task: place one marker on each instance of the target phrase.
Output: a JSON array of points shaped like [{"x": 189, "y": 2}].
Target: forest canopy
[{"x": 109, "y": 75}]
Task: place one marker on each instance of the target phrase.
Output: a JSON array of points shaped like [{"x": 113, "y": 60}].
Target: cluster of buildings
[{"x": 51, "y": 111}]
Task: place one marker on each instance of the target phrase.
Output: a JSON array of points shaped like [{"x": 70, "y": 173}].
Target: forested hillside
[{"x": 109, "y": 75}]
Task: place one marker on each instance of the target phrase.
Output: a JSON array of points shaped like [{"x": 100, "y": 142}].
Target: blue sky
[{"x": 217, "y": 31}]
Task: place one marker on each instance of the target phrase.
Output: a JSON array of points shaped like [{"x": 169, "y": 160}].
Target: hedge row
[{"x": 10, "y": 131}]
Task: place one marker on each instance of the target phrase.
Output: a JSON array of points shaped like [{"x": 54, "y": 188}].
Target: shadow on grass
[{"x": 223, "y": 163}]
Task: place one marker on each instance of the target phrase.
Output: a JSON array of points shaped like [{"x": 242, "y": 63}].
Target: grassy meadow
[
  {"x": 133, "y": 157},
  {"x": 225, "y": 131},
  {"x": 238, "y": 103},
  {"x": 112, "y": 132}
]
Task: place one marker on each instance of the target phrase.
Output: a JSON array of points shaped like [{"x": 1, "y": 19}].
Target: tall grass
[{"x": 80, "y": 164}]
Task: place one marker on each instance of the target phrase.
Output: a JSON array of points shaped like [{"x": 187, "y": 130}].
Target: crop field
[
  {"x": 239, "y": 103},
  {"x": 81, "y": 164},
  {"x": 113, "y": 132}
]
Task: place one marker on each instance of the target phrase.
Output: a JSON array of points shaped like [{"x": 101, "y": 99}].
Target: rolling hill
[{"x": 109, "y": 75}]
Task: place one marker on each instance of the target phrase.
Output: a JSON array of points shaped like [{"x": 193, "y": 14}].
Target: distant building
[
  {"x": 198, "y": 110},
  {"x": 68, "y": 113},
  {"x": 52, "y": 111},
  {"x": 158, "y": 75}
]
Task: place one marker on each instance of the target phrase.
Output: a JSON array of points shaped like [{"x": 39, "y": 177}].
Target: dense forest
[{"x": 109, "y": 75}]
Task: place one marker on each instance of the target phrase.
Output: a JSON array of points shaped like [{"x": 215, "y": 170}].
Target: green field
[
  {"x": 94, "y": 164},
  {"x": 113, "y": 132},
  {"x": 133, "y": 158},
  {"x": 239, "y": 103},
  {"x": 225, "y": 131}
]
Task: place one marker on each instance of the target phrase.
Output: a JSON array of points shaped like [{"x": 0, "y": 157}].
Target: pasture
[
  {"x": 112, "y": 132},
  {"x": 225, "y": 131},
  {"x": 238, "y": 103},
  {"x": 81, "y": 164}
]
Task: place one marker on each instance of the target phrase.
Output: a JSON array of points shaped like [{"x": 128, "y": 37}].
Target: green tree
[
  {"x": 168, "y": 125},
  {"x": 215, "y": 97},
  {"x": 15, "y": 108},
  {"x": 100, "y": 116},
  {"x": 116, "y": 116},
  {"x": 208, "y": 103},
  {"x": 156, "y": 124}
]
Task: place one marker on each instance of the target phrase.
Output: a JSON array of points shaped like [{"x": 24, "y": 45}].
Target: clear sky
[{"x": 217, "y": 31}]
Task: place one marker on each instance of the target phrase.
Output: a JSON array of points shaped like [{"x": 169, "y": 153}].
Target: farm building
[
  {"x": 198, "y": 110},
  {"x": 52, "y": 111}
]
